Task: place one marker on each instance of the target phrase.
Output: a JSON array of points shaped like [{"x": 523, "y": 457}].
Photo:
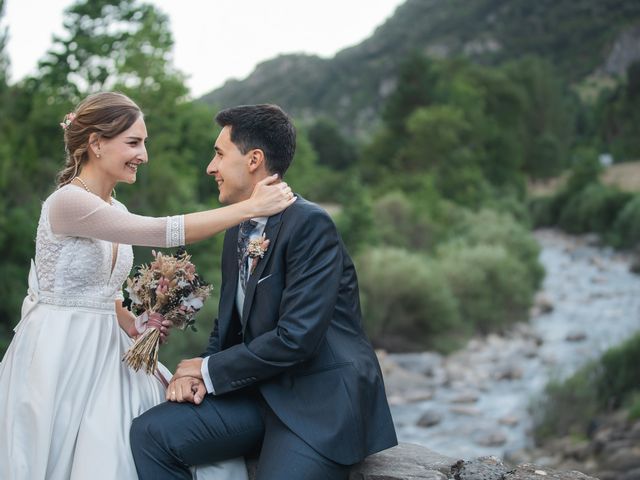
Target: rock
[
  {"x": 623, "y": 460},
  {"x": 635, "y": 265},
  {"x": 405, "y": 462},
  {"x": 614, "y": 446},
  {"x": 576, "y": 336},
  {"x": 542, "y": 304},
  {"x": 465, "y": 397},
  {"x": 549, "y": 358},
  {"x": 418, "y": 396},
  {"x": 469, "y": 411},
  {"x": 402, "y": 398},
  {"x": 509, "y": 420},
  {"x": 484, "y": 468},
  {"x": 509, "y": 372},
  {"x": 598, "y": 262},
  {"x": 631, "y": 475},
  {"x": 634, "y": 431},
  {"x": 578, "y": 450},
  {"x": 607, "y": 475},
  {"x": 489, "y": 438},
  {"x": 592, "y": 240},
  {"x": 529, "y": 350},
  {"x": 429, "y": 419},
  {"x": 424, "y": 363},
  {"x": 399, "y": 381},
  {"x": 532, "y": 472}
]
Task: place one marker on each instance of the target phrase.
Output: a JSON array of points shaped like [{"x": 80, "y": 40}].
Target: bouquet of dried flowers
[{"x": 171, "y": 287}]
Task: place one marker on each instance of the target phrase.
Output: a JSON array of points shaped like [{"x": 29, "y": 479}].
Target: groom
[{"x": 288, "y": 371}]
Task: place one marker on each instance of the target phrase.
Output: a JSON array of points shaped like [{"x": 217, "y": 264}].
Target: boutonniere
[{"x": 256, "y": 250}]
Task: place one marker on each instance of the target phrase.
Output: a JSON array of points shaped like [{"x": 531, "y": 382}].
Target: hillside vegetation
[{"x": 576, "y": 36}]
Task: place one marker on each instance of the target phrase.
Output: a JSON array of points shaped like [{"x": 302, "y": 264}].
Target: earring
[{"x": 97, "y": 155}]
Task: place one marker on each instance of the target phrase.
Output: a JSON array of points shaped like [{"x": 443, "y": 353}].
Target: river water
[{"x": 476, "y": 402}]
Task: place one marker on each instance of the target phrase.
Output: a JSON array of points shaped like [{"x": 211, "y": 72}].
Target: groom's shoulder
[
  {"x": 304, "y": 215},
  {"x": 303, "y": 209}
]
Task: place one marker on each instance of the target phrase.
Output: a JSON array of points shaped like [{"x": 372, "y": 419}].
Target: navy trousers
[{"x": 170, "y": 437}]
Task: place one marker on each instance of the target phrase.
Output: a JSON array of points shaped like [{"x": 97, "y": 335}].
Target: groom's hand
[
  {"x": 189, "y": 368},
  {"x": 186, "y": 389}
]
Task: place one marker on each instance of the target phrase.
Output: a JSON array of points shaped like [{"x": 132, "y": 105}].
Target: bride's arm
[
  {"x": 75, "y": 212},
  {"x": 126, "y": 320}
]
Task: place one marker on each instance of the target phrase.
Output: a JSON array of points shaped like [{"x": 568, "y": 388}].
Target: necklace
[{"x": 86, "y": 187}]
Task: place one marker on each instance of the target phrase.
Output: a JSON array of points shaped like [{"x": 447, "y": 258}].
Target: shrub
[
  {"x": 621, "y": 373},
  {"x": 406, "y": 301},
  {"x": 592, "y": 209},
  {"x": 398, "y": 223},
  {"x": 567, "y": 407},
  {"x": 613, "y": 381},
  {"x": 541, "y": 211},
  {"x": 488, "y": 227},
  {"x": 492, "y": 286},
  {"x": 626, "y": 227}
]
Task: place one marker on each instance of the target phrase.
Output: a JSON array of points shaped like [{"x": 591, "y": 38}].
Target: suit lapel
[
  {"x": 229, "y": 283},
  {"x": 271, "y": 233}
]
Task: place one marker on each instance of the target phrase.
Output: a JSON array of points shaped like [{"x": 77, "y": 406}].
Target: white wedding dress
[{"x": 66, "y": 398}]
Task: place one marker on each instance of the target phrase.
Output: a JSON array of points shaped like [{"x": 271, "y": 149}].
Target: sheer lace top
[{"x": 77, "y": 238}]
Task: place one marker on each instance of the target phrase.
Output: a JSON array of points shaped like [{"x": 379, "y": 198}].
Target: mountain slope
[{"x": 577, "y": 36}]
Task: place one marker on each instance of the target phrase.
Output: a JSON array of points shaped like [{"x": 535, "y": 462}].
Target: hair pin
[{"x": 68, "y": 119}]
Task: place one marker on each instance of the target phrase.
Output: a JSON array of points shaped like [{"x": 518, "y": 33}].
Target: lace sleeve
[{"x": 75, "y": 212}]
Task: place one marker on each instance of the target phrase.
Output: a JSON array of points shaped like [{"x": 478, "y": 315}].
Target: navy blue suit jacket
[{"x": 300, "y": 340}]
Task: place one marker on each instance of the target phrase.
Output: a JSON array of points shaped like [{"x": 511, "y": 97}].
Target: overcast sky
[{"x": 215, "y": 40}]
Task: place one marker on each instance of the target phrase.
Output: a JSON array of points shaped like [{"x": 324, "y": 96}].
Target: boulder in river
[
  {"x": 576, "y": 336},
  {"x": 429, "y": 419}
]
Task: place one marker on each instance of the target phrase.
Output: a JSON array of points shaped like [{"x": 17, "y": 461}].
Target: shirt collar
[{"x": 261, "y": 221}]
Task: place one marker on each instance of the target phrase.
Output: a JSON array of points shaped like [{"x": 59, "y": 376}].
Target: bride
[{"x": 66, "y": 399}]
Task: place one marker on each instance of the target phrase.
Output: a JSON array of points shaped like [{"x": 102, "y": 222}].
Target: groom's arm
[
  {"x": 214, "y": 341},
  {"x": 213, "y": 347},
  {"x": 313, "y": 272}
]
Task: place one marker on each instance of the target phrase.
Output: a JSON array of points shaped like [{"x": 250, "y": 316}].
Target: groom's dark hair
[{"x": 266, "y": 127}]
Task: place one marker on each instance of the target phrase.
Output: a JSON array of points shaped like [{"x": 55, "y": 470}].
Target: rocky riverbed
[{"x": 475, "y": 402}]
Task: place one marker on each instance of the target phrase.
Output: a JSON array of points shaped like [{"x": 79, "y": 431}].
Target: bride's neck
[{"x": 97, "y": 182}]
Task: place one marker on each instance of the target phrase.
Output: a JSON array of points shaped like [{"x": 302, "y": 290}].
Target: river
[{"x": 476, "y": 401}]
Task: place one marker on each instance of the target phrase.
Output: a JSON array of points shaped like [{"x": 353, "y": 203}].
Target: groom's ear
[{"x": 256, "y": 160}]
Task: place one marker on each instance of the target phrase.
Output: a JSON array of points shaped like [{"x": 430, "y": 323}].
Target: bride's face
[{"x": 121, "y": 156}]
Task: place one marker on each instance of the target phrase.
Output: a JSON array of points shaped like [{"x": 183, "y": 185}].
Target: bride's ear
[
  {"x": 94, "y": 144},
  {"x": 256, "y": 160}
]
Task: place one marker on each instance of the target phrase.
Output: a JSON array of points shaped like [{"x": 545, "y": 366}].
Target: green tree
[
  {"x": 121, "y": 45},
  {"x": 355, "y": 221},
  {"x": 109, "y": 44},
  {"x": 439, "y": 141},
  {"x": 415, "y": 88},
  {"x": 333, "y": 149},
  {"x": 549, "y": 116},
  {"x": 619, "y": 117}
]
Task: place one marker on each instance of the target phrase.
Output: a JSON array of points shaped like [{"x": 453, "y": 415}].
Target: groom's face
[{"x": 230, "y": 167}]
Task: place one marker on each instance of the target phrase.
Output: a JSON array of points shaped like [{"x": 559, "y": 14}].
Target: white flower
[
  {"x": 134, "y": 298},
  {"x": 192, "y": 301}
]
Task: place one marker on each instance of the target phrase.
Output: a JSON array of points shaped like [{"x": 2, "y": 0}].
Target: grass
[{"x": 625, "y": 176}]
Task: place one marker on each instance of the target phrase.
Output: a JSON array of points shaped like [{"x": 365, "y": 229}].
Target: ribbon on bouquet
[{"x": 32, "y": 298}]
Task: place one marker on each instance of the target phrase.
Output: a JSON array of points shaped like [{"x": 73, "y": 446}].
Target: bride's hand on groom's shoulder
[{"x": 186, "y": 389}]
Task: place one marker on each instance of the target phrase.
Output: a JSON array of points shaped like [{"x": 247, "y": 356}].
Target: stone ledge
[{"x": 409, "y": 461}]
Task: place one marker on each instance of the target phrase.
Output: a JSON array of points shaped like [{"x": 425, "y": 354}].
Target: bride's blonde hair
[{"x": 107, "y": 114}]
